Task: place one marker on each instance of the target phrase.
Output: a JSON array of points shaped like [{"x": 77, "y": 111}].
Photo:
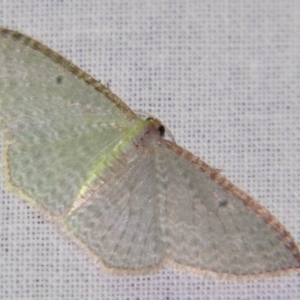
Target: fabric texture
[{"x": 223, "y": 76}]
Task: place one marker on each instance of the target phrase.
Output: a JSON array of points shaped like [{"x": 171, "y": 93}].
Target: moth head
[{"x": 152, "y": 131}]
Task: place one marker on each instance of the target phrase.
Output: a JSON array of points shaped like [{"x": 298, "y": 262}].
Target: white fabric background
[{"x": 224, "y": 76}]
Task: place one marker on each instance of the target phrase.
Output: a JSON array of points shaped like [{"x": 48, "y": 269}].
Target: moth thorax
[{"x": 149, "y": 136}]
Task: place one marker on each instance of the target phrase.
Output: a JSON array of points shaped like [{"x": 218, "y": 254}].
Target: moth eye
[{"x": 161, "y": 130}]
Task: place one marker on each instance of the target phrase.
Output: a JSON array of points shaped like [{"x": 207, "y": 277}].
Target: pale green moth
[{"x": 134, "y": 199}]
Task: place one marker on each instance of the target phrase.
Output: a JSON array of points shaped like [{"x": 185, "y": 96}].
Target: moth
[{"x": 136, "y": 200}]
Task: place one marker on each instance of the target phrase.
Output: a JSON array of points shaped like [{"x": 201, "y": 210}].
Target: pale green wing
[
  {"x": 120, "y": 222},
  {"x": 215, "y": 226},
  {"x": 60, "y": 125},
  {"x": 72, "y": 146}
]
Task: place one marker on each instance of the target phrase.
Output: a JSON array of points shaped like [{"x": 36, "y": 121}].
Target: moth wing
[
  {"x": 58, "y": 121},
  {"x": 120, "y": 221},
  {"x": 210, "y": 224}
]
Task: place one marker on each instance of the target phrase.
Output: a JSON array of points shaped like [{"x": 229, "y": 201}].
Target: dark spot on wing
[
  {"x": 59, "y": 79},
  {"x": 223, "y": 203}
]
